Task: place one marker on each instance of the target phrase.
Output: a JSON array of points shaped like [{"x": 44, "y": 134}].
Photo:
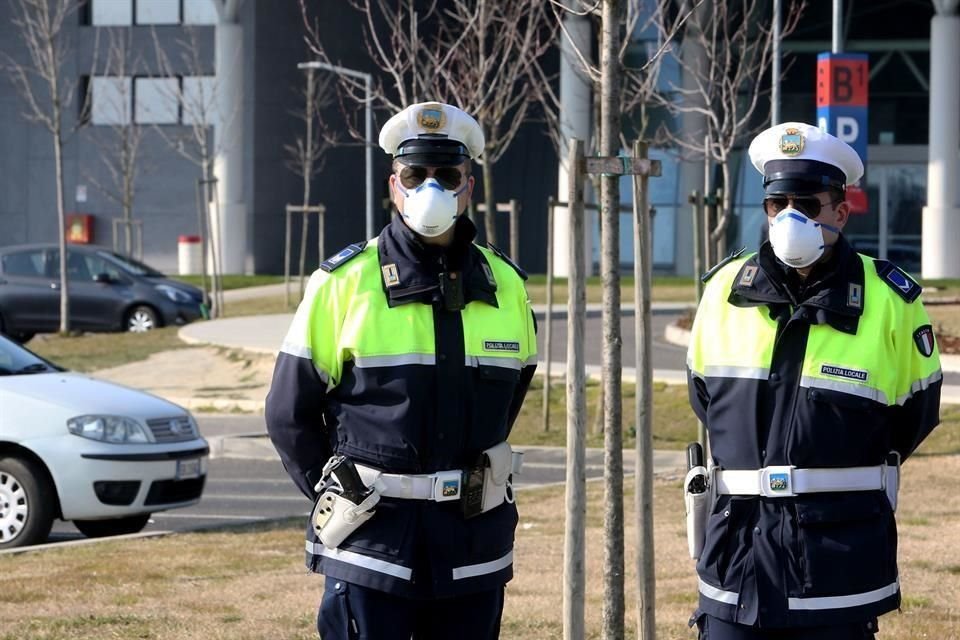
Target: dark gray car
[{"x": 108, "y": 292}]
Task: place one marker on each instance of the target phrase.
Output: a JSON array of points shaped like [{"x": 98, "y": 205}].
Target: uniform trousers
[
  {"x": 715, "y": 629},
  {"x": 352, "y": 612}
]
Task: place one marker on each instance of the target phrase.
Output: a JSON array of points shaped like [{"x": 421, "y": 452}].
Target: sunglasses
[
  {"x": 807, "y": 205},
  {"x": 448, "y": 177}
]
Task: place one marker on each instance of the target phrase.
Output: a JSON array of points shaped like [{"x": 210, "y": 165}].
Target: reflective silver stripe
[
  {"x": 727, "y": 597},
  {"x": 921, "y": 385},
  {"x": 487, "y": 361},
  {"x": 721, "y": 371},
  {"x": 843, "y": 602},
  {"x": 484, "y": 568},
  {"x": 349, "y": 557},
  {"x": 531, "y": 361},
  {"x": 298, "y": 350},
  {"x": 399, "y": 360},
  {"x": 850, "y": 388}
]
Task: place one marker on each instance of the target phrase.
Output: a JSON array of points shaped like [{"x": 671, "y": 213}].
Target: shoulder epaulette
[
  {"x": 343, "y": 256},
  {"x": 505, "y": 258},
  {"x": 720, "y": 265},
  {"x": 898, "y": 280}
]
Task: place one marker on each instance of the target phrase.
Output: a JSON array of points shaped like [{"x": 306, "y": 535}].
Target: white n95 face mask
[
  {"x": 430, "y": 209},
  {"x": 796, "y": 239}
]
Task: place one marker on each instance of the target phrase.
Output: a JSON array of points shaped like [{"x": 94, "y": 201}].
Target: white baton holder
[
  {"x": 697, "y": 507},
  {"x": 496, "y": 476},
  {"x": 335, "y": 517}
]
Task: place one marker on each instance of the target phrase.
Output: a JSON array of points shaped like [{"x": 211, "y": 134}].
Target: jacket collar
[
  {"x": 410, "y": 269},
  {"x": 832, "y": 294}
]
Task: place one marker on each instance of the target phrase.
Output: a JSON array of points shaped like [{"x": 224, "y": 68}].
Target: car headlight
[
  {"x": 117, "y": 429},
  {"x": 174, "y": 294}
]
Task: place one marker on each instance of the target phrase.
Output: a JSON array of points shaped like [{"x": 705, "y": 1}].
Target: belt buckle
[
  {"x": 446, "y": 486},
  {"x": 777, "y": 481}
]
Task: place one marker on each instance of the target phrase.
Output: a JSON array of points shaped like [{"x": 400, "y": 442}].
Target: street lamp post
[{"x": 368, "y": 126}]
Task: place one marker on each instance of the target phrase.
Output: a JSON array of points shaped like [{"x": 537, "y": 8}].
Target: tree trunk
[
  {"x": 490, "y": 215},
  {"x": 613, "y": 602},
  {"x": 61, "y": 217}
]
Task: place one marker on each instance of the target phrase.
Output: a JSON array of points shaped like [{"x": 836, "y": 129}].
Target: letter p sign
[{"x": 848, "y": 129}]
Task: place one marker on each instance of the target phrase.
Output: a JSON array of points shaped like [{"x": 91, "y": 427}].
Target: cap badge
[
  {"x": 431, "y": 118},
  {"x": 791, "y": 142}
]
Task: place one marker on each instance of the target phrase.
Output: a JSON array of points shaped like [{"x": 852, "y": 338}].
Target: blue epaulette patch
[
  {"x": 343, "y": 256},
  {"x": 505, "y": 258},
  {"x": 720, "y": 265},
  {"x": 898, "y": 280}
]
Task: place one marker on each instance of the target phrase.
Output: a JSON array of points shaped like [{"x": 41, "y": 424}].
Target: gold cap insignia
[
  {"x": 431, "y": 117},
  {"x": 791, "y": 142}
]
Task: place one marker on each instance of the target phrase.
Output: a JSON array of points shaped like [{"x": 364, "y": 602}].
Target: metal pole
[
  {"x": 696, "y": 203},
  {"x": 515, "y": 230},
  {"x": 836, "y": 45},
  {"x": 576, "y": 481},
  {"x": 368, "y": 133},
  {"x": 775, "y": 66},
  {"x": 368, "y": 127},
  {"x": 642, "y": 266},
  {"x": 286, "y": 260},
  {"x": 548, "y": 317}
]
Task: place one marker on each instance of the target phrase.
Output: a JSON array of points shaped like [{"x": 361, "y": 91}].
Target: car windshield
[
  {"x": 130, "y": 265},
  {"x": 16, "y": 360}
]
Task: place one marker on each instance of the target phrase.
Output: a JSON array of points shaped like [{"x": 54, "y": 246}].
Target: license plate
[{"x": 188, "y": 469}]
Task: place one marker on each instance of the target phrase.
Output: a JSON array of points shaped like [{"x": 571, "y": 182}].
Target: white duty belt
[
  {"x": 786, "y": 481},
  {"x": 440, "y": 486}
]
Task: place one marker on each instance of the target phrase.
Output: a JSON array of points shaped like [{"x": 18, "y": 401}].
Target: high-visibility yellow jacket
[
  {"x": 377, "y": 368},
  {"x": 833, "y": 374}
]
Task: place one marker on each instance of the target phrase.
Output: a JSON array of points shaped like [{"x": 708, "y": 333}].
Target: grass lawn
[
  {"x": 233, "y": 281},
  {"x": 249, "y": 583}
]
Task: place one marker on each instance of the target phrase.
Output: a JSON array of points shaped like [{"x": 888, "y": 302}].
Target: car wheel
[
  {"x": 27, "y": 503},
  {"x": 23, "y": 338},
  {"x": 113, "y": 526},
  {"x": 142, "y": 318}
]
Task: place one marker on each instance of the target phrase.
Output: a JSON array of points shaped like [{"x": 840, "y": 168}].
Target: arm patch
[
  {"x": 505, "y": 258},
  {"x": 720, "y": 265},
  {"x": 898, "y": 280},
  {"x": 343, "y": 256}
]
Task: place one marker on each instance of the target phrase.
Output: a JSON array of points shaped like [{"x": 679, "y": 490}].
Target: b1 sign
[{"x": 842, "y": 91}]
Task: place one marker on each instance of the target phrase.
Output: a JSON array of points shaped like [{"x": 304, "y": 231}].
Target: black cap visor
[
  {"x": 801, "y": 177},
  {"x": 426, "y": 152}
]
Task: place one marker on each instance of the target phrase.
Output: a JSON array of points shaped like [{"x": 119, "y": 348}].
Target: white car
[{"x": 81, "y": 449}]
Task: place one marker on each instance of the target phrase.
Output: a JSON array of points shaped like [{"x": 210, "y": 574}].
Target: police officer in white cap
[
  {"x": 816, "y": 372},
  {"x": 392, "y": 399}
]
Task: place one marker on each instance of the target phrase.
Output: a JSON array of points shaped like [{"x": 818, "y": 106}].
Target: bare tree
[
  {"x": 305, "y": 156},
  {"x": 119, "y": 141},
  {"x": 477, "y": 55},
  {"x": 191, "y": 86},
  {"x": 491, "y": 49},
  {"x": 724, "y": 86},
  {"x": 48, "y": 92}
]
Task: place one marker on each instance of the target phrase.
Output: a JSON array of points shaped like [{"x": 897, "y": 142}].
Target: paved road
[{"x": 255, "y": 487}]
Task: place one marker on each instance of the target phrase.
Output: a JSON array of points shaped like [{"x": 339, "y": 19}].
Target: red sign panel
[{"x": 842, "y": 80}]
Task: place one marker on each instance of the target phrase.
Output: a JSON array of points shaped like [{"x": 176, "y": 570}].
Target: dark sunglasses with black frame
[
  {"x": 809, "y": 206},
  {"x": 412, "y": 177}
]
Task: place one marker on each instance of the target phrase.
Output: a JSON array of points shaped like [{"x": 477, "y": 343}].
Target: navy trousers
[
  {"x": 351, "y": 612},
  {"x": 714, "y": 629}
]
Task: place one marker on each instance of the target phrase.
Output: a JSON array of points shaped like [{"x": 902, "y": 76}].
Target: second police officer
[
  {"x": 392, "y": 398},
  {"x": 816, "y": 372}
]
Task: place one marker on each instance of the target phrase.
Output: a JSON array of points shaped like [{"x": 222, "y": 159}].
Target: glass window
[
  {"x": 24, "y": 263},
  {"x": 199, "y": 12},
  {"x": 110, "y": 13},
  {"x": 129, "y": 264},
  {"x": 156, "y": 101},
  {"x": 158, "y": 11},
  {"x": 110, "y": 102},
  {"x": 198, "y": 99}
]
